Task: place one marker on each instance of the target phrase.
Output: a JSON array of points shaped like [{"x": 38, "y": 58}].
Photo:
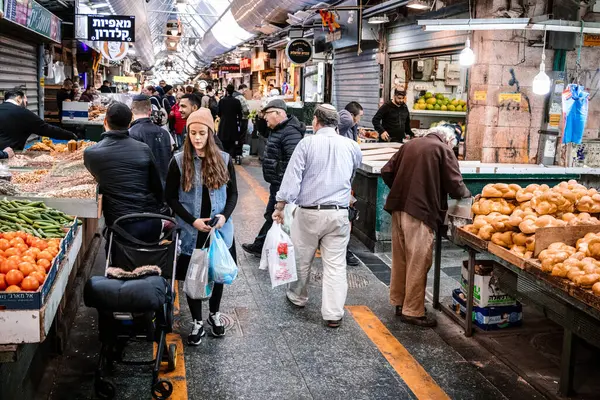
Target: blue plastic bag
[
  {"x": 575, "y": 113},
  {"x": 221, "y": 266}
]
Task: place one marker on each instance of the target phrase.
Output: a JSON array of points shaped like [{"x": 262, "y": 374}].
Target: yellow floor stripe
[
  {"x": 411, "y": 372},
  {"x": 178, "y": 376},
  {"x": 255, "y": 185}
]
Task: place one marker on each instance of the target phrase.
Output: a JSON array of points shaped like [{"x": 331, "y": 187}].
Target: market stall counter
[
  {"x": 544, "y": 245},
  {"x": 374, "y": 226}
]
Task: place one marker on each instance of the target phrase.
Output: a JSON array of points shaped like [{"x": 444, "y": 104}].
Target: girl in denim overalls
[{"x": 201, "y": 185}]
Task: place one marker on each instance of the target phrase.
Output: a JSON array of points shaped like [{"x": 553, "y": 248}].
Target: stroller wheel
[
  {"x": 104, "y": 388},
  {"x": 172, "y": 357},
  {"x": 162, "y": 390}
]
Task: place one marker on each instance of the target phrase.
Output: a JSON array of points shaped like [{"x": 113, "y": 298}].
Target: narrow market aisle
[{"x": 275, "y": 351}]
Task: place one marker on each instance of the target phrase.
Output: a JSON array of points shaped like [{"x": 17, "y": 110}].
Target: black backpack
[{"x": 213, "y": 106}]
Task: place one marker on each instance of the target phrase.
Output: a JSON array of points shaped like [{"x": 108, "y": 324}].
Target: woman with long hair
[{"x": 201, "y": 185}]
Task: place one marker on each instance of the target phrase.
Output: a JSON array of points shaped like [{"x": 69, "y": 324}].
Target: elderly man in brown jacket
[{"x": 420, "y": 176}]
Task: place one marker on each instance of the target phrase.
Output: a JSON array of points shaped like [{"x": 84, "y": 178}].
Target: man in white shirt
[{"x": 319, "y": 180}]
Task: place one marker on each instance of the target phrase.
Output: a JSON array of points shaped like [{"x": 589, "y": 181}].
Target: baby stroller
[{"x": 134, "y": 300}]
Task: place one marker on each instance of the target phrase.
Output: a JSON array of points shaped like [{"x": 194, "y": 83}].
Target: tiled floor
[{"x": 275, "y": 351}]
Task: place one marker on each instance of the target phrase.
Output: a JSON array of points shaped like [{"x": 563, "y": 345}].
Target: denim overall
[{"x": 192, "y": 202}]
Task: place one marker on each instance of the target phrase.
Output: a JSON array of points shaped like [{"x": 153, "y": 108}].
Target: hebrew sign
[{"x": 111, "y": 28}]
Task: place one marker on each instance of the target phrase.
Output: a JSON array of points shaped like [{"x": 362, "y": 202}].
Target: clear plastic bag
[
  {"x": 221, "y": 266},
  {"x": 279, "y": 257},
  {"x": 197, "y": 285}
]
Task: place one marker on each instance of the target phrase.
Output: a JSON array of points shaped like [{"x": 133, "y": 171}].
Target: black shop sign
[
  {"x": 111, "y": 28},
  {"x": 299, "y": 51},
  {"x": 231, "y": 68}
]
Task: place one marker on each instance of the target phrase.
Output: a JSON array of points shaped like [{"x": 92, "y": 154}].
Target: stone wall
[{"x": 508, "y": 133}]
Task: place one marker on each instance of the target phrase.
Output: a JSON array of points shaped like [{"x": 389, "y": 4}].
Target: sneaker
[
  {"x": 214, "y": 320},
  {"x": 252, "y": 248},
  {"x": 197, "y": 333},
  {"x": 424, "y": 321},
  {"x": 351, "y": 259}
]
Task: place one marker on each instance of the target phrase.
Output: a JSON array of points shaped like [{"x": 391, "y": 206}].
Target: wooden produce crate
[
  {"x": 507, "y": 255},
  {"x": 32, "y": 325},
  {"x": 568, "y": 235},
  {"x": 472, "y": 240}
]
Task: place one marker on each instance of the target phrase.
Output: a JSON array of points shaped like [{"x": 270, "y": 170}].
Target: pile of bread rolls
[
  {"x": 509, "y": 215},
  {"x": 578, "y": 264}
]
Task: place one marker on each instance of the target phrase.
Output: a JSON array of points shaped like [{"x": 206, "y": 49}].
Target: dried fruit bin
[
  {"x": 83, "y": 208},
  {"x": 31, "y": 325}
]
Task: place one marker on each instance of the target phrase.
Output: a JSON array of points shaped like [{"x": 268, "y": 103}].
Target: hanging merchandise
[{"x": 575, "y": 104}]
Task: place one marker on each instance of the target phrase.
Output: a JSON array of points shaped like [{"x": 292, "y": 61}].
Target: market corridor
[{"x": 274, "y": 351}]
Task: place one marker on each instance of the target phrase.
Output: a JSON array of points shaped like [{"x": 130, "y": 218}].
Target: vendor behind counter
[{"x": 17, "y": 123}]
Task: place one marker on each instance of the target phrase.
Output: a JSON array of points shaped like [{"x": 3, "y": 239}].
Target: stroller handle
[{"x": 144, "y": 215}]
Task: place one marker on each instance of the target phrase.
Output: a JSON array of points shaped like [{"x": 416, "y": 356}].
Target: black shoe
[
  {"x": 424, "y": 321},
  {"x": 252, "y": 248},
  {"x": 334, "y": 324},
  {"x": 214, "y": 320},
  {"x": 398, "y": 311},
  {"x": 351, "y": 260},
  {"x": 197, "y": 333}
]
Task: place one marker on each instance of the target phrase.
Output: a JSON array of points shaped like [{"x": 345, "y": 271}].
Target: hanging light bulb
[
  {"x": 541, "y": 82},
  {"x": 467, "y": 57}
]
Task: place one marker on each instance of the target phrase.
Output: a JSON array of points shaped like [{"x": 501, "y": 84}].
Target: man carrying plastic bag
[{"x": 278, "y": 257}]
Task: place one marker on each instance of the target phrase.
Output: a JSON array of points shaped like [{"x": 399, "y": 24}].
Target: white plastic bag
[
  {"x": 196, "y": 284},
  {"x": 279, "y": 257}
]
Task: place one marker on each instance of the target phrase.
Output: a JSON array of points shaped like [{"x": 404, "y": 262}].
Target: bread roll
[
  {"x": 589, "y": 203},
  {"x": 596, "y": 288},
  {"x": 503, "y": 239},
  {"x": 488, "y": 206},
  {"x": 519, "y": 239},
  {"x": 486, "y": 232},
  {"x": 500, "y": 190},
  {"x": 587, "y": 280},
  {"x": 551, "y": 202}
]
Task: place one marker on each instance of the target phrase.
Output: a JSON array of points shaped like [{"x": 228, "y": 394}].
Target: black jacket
[
  {"x": 393, "y": 119},
  {"x": 145, "y": 131},
  {"x": 62, "y": 95},
  {"x": 17, "y": 123},
  {"x": 230, "y": 112},
  {"x": 281, "y": 144},
  {"x": 126, "y": 174}
]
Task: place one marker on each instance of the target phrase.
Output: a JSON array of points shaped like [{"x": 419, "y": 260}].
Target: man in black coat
[
  {"x": 230, "y": 113},
  {"x": 144, "y": 130},
  {"x": 392, "y": 120},
  {"x": 125, "y": 171},
  {"x": 17, "y": 123},
  {"x": 286, "y": 133}
]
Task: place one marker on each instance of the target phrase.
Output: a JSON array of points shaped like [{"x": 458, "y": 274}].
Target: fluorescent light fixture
[
  {"x": 383, "y": 19},
  {"x": 467, "y": 57},
  {"x": 473, "y": 24},
  {"x": 100, "y": 5},
  {"x": 244, "y": 48},
  {"x": 419, "y": 4}
]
